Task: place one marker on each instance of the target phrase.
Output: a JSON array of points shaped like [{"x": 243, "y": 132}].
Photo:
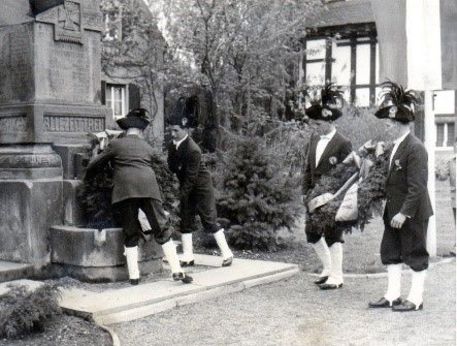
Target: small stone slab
[
  {"x": 120, "y": 305},
  {"x": 12, "y": 270},
  {"x": 30, "y": 284}
]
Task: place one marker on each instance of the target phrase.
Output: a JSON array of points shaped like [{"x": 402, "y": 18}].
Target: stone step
[
  {"x": 13, "y": 271},
  {"x": 120, "y": 305}
]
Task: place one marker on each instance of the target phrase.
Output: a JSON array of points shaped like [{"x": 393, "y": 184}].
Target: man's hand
[{"x": 398, "y": 221}]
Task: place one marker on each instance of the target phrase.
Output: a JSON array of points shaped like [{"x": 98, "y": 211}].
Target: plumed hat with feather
[
  {"x": 327, "y": 107},
  {"x": 397, "y": 104}
]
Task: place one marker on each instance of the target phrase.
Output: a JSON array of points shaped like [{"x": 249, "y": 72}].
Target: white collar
[
  {"x": 400, "y": 139},
  {"x": 329, "y": 136},
  {"x": 178, "y": 143}
]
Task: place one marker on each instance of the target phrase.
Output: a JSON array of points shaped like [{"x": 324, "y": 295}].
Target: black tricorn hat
[
  {"x": 328, "y": 106},
  {"x": 398, "y": 103},
  {"x": 135, "y": 118}
]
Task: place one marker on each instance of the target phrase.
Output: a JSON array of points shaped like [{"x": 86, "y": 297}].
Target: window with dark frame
[
  {"x": 116, "y": 99},
  {"x": 346, "y": 56}
]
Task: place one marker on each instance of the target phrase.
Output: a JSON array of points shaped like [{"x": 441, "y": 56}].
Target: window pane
[
  {"x": 118, "y": 94},
  {"x": 362, "y": 97},
  {"x": 363, "y": 64},
  {"x": 315, "y": 49},
  {"x": 439, "y": 135},
  {"x": 118, "y": 108},
  {"x": 450, "y": 134},
  {"x": 341, "y": 69},
  {"x": 315, "y": 73}
]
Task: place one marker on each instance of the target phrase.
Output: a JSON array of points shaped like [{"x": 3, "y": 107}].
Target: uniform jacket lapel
[
  {"x": 401, "y": 148},
  {"x": 328, "y": 148}
]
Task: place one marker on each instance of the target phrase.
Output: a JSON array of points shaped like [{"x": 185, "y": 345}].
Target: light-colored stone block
[
  {"x": 210, "y": 294},
  {"x": 135, "y": 313}
]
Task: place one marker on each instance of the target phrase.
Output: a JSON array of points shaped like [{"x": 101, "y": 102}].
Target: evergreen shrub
[
  {"x": 23, "y": 312},
  {"x": 256, "y": 197}
]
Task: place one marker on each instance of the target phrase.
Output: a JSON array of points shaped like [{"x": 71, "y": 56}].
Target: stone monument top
[{"x": 50, "y": 56}]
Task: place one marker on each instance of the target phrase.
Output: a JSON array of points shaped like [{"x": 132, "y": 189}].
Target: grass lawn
[{"x": 361, "y": 249}]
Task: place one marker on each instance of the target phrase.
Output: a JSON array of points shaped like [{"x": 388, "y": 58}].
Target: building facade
[{"x": 342, "y": 47}]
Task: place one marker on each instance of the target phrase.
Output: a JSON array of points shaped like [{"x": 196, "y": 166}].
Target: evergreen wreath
[{"x": 370, "y": 193}]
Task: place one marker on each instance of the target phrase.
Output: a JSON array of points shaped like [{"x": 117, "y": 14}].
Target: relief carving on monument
[{"x": 67, "y": 20}]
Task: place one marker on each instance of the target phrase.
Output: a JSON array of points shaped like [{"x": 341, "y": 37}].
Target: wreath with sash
[{"x": 352, "y": 193}]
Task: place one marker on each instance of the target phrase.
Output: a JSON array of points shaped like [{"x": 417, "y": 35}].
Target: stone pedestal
[
  {"x": 30, "y": 201},
  {"x": 97, "y": 255}
]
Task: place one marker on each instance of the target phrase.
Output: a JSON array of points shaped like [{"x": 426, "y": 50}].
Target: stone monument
[{"x": 50, "y": 98}]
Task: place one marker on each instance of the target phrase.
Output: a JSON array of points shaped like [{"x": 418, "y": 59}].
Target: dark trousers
[
  {"x": 335, "y": 236},
  {"x": 126, "y": 215},
  {"x": 200, "y": 201},
  {"x": 406, "y": 245}
]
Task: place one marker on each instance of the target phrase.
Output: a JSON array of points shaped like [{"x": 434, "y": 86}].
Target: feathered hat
[
  {"x": 328, "y": 106},
  {"x": 397, "y": 104},
  {"x": 137, "y": 118}
]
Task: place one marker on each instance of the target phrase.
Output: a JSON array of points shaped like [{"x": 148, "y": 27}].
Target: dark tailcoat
[
  {"x": 134, "y": 187},
  {"x": 339, "y": 147},
  {"x": 196, "y": 187},
  {"x": 406, "y": 193}
]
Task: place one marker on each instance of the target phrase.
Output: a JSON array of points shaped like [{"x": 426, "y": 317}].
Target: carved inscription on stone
[
  {"x": 68, "y": 75},
  {"x": 15, "y": 63},
  {"x": 13, "y": 124},
  {"x": 53, "y": 123},
  {"x": 29, "y": 160}
]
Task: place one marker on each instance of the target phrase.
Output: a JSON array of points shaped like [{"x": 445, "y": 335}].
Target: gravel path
[{"x": 295, "y": 312}]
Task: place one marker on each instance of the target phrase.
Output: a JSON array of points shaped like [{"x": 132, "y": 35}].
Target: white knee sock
[
  {"x": 393, "y": 282},
  {"x": 131, "y": 254},
  {"x": 169, "y": 249},
  {"x": 222, "y": 243},
  {"x": 187, "y": 247},
  {"x": 336, "y": 268},
  {"x": 323, "y": 253},
  {"x": 417, "y": 287}
]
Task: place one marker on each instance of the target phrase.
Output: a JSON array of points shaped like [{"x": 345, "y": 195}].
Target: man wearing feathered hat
[
  {"x": 327, "y": 148},
  {"x": 196, "y": 189},
  {"x": 134, "y": 188},
  {"x": 408, "y": 206}
]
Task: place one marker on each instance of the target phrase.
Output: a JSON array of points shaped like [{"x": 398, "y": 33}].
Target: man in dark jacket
[
  {"x": 327, "y": 148},
  {"x": 408, "y": 206},
  {"x": 134, "y": 188},
  {"x": 196, "y": 191}
]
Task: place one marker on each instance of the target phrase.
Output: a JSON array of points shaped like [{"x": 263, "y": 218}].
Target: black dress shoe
[
  {"x": 187, "y": 263},
  {"x": 330, "y": 286},
  {"x": 227, "y": 262},
  {"x": 182, "y": 277},
  {"x": 134, "y": 282},
  {"x": 384, "y": 303},
  {"x": 407, "y": 306},
  {"x": 321, "y": 280}
]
